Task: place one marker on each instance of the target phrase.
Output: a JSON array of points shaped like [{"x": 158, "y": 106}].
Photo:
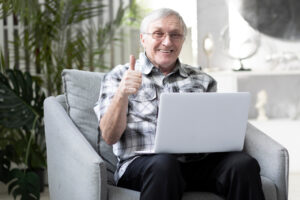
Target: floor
[
  {"x": 294, "y": 189},
  {"x": 294, "y": 186}
]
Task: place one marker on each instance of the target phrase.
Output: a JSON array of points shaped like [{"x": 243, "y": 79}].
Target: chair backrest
[{"x": 81, "y": 89}]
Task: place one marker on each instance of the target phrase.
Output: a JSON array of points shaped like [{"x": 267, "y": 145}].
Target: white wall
[{"x": 212, "y": 17}]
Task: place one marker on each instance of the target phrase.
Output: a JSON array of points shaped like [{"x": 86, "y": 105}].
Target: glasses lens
[
  {"x": 175, "y": 36},
  {"x": 158, "y": 35}
]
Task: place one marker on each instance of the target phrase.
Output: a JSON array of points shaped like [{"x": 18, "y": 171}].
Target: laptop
[{"x": 201, "y": 122}]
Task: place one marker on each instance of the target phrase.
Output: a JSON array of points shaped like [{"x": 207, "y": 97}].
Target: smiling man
[{"x": 127, "y": 111}]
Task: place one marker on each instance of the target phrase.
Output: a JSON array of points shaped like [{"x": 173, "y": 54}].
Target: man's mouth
[{"x": 166, "y": 51}]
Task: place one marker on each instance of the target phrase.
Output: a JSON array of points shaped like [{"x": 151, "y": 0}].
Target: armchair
[{"x": 81, "y": 165}]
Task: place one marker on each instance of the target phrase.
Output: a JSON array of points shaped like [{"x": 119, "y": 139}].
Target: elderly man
[{"x": 128, "y": 108}]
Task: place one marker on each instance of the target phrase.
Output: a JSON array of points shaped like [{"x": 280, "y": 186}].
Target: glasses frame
[{"x": 172, "y": 36}]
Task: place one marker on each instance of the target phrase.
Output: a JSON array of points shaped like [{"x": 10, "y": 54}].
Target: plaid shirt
[{"x": 142, "y": 111}]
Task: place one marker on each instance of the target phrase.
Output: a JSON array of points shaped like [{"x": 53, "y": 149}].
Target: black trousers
[{"x": 233, "y": 175}]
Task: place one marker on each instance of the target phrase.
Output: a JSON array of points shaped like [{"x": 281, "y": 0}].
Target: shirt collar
[
  {"x": 145, "y": 63},
  {"x": 147, "y": 66}
]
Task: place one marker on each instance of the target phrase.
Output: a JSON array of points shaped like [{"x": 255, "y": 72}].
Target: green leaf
[
  {"x": 22, "y": 85},
  {"x": 13, "y": 80},
  {"x": 25, "y": 184},
  {"x": 16, "y": 95}
]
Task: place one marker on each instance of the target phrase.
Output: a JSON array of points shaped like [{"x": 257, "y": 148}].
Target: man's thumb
[{"x": 132, "y": 62}]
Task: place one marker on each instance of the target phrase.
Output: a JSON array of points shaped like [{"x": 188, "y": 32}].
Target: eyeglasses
[{"x": 160, "y": 36}]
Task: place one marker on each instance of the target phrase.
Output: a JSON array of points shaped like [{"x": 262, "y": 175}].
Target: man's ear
[{"x": 142, "y": 40}]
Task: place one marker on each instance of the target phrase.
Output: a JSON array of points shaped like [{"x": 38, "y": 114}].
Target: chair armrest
[
  {"x": 75, "y": 170},
  {"x": 272, "y": 157}
]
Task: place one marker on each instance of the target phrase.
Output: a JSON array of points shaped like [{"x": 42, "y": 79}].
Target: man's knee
[
  {"x": 239, "y": 168},
  {"x": 242, "y": 178},
  {"x": 244, "y": 163}
]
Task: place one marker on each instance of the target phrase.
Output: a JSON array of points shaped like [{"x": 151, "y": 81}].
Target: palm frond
[{"x": 16, "y": 94}]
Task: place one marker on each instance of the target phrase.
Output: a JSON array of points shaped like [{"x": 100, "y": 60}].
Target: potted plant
[
  {"x": 52, "y": 39},
  {"x": 22, "y": 146}
]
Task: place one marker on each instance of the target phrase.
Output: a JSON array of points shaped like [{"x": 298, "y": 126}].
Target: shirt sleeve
[
  {"x": 109, "y": 86},
  {"x": 212, "y": 87}
]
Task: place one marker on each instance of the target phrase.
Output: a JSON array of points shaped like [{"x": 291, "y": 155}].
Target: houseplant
[
  {"x": 60, "y": 34},
  {"x": 22, "y": 146},
  {"x": 52, "y": 38}
]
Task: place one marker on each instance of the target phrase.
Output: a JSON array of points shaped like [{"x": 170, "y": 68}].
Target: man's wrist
[{"x": 120, "y": 95}]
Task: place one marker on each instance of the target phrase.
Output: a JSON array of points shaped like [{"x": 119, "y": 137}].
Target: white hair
[{"x": 160, "y": 14}]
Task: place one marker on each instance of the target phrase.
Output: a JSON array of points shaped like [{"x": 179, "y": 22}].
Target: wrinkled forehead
[{"x": 169, "y": 23}]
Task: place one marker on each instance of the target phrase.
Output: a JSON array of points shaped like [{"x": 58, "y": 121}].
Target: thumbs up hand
[{"x": 131, "y": 81}]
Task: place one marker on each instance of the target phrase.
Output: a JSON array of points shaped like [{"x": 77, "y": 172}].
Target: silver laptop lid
[{"x": 201, "y": 122}]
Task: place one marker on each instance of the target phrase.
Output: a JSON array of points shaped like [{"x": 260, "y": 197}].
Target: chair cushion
[{"x": 81, "y": 90}]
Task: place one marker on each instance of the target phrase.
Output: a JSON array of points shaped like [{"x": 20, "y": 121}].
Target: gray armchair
[{"x": 80, "y": 164}]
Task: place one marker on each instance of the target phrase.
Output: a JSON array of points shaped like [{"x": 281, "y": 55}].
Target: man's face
[{"x": 163, "y": 52}]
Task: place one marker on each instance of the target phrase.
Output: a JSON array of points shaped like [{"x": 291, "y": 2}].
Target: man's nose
[{"x": 166, "y": 40}]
